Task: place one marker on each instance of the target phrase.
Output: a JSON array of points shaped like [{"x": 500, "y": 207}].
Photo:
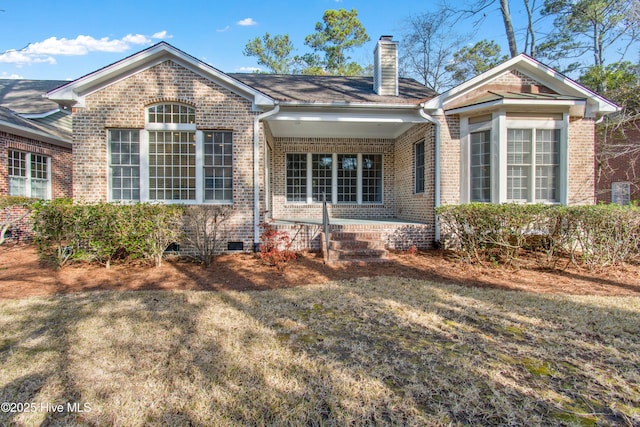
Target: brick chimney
[{"x": 385, "y": 67}]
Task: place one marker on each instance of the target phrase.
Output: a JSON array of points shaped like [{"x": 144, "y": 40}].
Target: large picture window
[
  {"x": 171, "y": 160},
  {"x": 29, "y": 175},
  {"x": 344, "y": 178}
]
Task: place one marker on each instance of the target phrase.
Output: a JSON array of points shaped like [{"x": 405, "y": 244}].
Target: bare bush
[{"x": 205, "y": 228}]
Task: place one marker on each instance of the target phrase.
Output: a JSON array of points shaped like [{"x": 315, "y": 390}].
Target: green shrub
[
  {"x": 153, "y": 228},
  {"x": 55, "y": 231},
  {"x": 99, "y": 232},
  {"x": 593, "y": 236}
]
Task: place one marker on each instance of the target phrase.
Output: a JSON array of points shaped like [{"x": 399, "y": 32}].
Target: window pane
[
  {"x": 218, "y": 170},
  {"x": 321, "y": 170},
  {"x": 17, "y": 186},
  {"x": 17, "y": 163},
  {"x": 171, "y": 113},
  {"x": 371, "y": 178},
  {"x": 296, "y": 177},
  {"x": 347, "y": 178},
  {"x": 519, "y": 145},
  {"x": 547, "y": 164},
  {"x": 419, "y": 167},
  {"x": 124, "y": 145},
  {"x": 481, "y": 166},
  {"x": 172, "y": 160}
]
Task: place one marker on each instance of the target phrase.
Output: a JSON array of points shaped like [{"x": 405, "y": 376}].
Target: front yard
[{"x": 363, "y": 351}]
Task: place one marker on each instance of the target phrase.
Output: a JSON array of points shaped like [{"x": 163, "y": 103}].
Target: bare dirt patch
[{"x": 23, "y": 274}]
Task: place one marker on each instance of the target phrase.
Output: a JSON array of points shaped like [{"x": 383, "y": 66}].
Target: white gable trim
[
  {"x": 74, "y": 93},
  {"x": 597, "y": 105}
]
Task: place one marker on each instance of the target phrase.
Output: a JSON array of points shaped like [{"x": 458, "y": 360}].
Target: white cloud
[
  {"x": 136, "y": 39},
  {"x": 222, "y": 30},
  {"x": 247, "y": 22},
  {"x": 44, "y": 51},
  {"x": 161, "y": 35},
  {"x": 248, "y": 70},
  {"x": 4, "y": 75},
  {"x": 20, "y": 58}
]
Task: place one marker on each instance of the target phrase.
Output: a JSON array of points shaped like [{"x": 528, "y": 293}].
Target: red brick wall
[
  {"x": 625, "y": 168},
  {"x": 61, "y": 162}
]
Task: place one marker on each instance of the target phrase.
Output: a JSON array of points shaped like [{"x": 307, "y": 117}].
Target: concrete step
[{"x": 356, "y": 235}]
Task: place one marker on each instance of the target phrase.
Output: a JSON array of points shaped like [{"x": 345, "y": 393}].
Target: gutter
[
  {"x": 436, "y": 167},
  {"x": 256, "y": 174}
]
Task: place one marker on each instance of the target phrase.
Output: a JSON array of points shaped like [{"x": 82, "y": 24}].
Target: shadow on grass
[{"x": 376, "y": 351}]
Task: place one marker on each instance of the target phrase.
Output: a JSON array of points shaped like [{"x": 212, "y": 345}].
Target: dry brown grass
[{"x": 361, "y": 352}]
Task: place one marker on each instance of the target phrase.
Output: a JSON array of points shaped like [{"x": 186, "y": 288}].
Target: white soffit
[{"x": 343, "y": 124}]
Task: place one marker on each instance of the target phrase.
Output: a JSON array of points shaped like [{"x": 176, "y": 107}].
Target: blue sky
[{"x": 66, "y": 40}]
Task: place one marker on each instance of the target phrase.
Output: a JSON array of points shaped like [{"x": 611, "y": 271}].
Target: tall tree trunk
[
  {"x": 508, "y": 26},
  {"x": 530, "y": 32}
]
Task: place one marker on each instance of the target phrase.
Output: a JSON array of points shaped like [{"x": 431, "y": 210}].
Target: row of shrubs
[
  {"x": 102, "y": 232},
  {"x": 593, "y": 236}
]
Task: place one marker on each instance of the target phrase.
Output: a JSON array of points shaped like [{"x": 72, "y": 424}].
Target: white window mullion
[
  {"x": 359, "y": 180},
  {"x": 49, "y": 190},
  {"x": 532, "y": 173},
  {"x": 501, "y": 157},
  {"x": 144, "y": 166},
  {"x": 28, "y": 179},
  {"x": 309, "y": 178},
  {"x": 334, "y": 178},
  {"x": 199, "y": 167}
]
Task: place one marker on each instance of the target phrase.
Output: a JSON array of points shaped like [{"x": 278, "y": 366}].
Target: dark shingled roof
[
  {"x": 26, "y": 96},
  {"x": 14, "y": 119},
  {"x": 339, "y": 89}
]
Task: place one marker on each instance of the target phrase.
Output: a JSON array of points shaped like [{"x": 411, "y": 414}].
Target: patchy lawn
[
  {"x": 365, "y": 351},
  {"x": 375, "y": 350}
]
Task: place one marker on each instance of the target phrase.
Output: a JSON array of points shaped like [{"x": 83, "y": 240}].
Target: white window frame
[
  {"x": 621, "y": 192},
  {"x": 498, "y": 126},
  {"x": 420, "y": 176},
  {"x": 334, "y": 182},
  {"x": 199, "y": 159},
  {"x": 28, "y": 178}
]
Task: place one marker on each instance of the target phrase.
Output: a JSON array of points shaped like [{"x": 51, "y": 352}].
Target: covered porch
[{"x": 377, "y": 234}]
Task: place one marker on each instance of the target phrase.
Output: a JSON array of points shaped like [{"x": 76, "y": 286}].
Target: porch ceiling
[{"x": 343, "y": 124}]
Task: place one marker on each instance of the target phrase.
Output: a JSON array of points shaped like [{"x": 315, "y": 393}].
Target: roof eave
[
  {"x": 34, "y": 134},
  {"x": 576, "y": 107},
  {"x": 546, "y": 75},
  {"x": 73, "y": 93}
]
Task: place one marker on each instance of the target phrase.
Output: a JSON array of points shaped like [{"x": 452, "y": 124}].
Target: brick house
[
  {"x": 35, "y": 141},
  {"x": 619, "y": 172},
  {"x": 163, "y": 126},
  {"x": 35, "y": 148}
]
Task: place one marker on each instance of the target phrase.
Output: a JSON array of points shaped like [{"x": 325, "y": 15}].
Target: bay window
[{"x": 515, "y": 157}]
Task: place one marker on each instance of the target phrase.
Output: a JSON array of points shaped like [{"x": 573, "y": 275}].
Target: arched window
[{"x": 171, "y": 160}]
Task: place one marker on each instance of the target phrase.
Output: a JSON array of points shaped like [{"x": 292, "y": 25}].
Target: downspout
[
  {"x": 256, "y": 174},
  {"x": 436, "y": 166}
]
